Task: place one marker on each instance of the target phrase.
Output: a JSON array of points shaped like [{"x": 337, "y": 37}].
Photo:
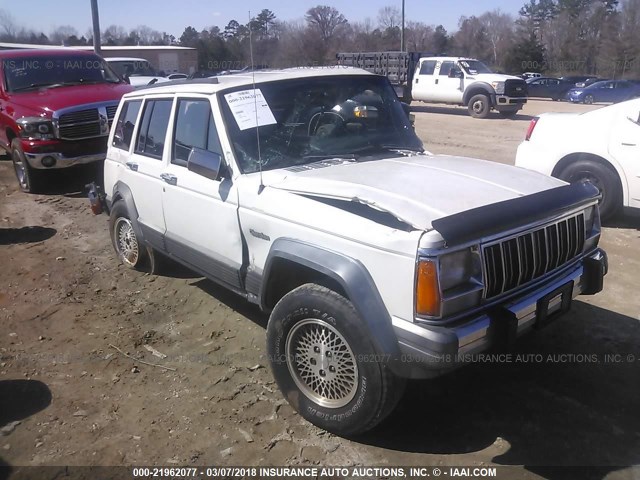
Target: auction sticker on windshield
[{"x": 250, "y": 109}]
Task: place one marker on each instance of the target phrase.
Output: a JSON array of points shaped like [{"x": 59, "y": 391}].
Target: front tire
[
  {"x": 28, "y": 178},
  {"x": 479, "y": 106},
  {"x": 588, "y": 100},
  {"x": 325, "y": 363},
  {"x": 603, "y": 177}
]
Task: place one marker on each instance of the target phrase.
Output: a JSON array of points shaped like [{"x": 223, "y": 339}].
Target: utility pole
[
  {"x": 402, "y": 30},
  {"x": 96, "y": 27}
]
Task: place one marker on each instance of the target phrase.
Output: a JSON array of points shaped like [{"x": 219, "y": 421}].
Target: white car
[
  {"x": 602, "y": 146},
  {"x": 309, "y": 194},
  {"x": 138, "y": 71}
]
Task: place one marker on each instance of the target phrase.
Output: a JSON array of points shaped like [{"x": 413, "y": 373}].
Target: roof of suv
[{"x": 215, "y": 84}]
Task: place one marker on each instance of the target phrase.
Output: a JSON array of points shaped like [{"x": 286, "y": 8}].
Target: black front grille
[
  {"x": 85, "y": 122},
  {"x": 515, "y": 88},
  {"x": 518, "y": 260}
]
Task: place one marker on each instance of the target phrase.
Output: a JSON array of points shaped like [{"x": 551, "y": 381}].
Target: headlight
[
  {"x": 449, "y": 283},
  {"x": 36, "y": 128},
  {"x": 498, "y": 87},
  {"x": 459, "y": 268}
]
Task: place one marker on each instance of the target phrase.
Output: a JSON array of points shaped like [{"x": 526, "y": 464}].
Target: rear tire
[
  {"x": 325, "y": 363},
  {"x": 128, "y": 247},
  {"x": 29, "y": 179},
  {"x": 603, "y": 177},
  {"x": 479, "y": 106}
]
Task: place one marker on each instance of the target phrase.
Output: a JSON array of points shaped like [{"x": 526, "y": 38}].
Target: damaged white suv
[{"x": 307, "y": 192}]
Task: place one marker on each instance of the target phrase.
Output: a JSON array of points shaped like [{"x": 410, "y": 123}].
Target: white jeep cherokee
[{"x": 308, "y": 193}]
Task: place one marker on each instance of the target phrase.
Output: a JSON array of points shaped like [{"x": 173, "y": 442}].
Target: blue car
[{"x": 610, "y": 91}]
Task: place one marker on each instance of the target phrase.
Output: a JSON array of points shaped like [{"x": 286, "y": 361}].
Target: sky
[{"x": 172, "y": 16}]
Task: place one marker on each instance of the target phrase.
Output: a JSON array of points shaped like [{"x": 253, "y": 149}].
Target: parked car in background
[
  {"x": 177, "y": 76},
  {"x": 601, "y": 146},
  {"x": 137, "y": 71},
  {"x": 56, "y": 107},
  {"x": 247, "y": 178},
  {"x": 589, "y": 81},
  {"x": 574, "y": 79},
  {"x": 548, "y": 87},
  {"x": 609, "y": 91},
  {"x": 527, "y": 75}
]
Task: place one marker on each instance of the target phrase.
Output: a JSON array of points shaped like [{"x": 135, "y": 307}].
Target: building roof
[{"x": 106, "y": 48}]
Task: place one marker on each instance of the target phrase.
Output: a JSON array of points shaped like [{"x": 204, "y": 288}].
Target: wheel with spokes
[
  {"x": 325, "y": 364},
  {"x": 126, "y": 243}
]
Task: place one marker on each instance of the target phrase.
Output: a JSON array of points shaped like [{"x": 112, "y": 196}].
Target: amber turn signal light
[{"x": 427, "y": 289}]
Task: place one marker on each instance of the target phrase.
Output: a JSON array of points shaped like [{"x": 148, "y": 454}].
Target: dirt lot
[{"x": 65, "y": 303}]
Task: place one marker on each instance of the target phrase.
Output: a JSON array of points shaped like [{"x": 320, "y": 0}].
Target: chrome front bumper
[
  {"x": 35, "y": 160},
  {"x": 428, "y": 351}
]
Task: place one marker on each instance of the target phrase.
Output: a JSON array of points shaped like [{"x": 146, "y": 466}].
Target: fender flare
[
  {"x": 121, "y": 191},
  {"x": 476, "y": 88},
  {"x": 353, "y": 277}
]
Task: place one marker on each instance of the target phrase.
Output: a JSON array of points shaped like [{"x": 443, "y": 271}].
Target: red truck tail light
[{"x": 532, "y": 125}]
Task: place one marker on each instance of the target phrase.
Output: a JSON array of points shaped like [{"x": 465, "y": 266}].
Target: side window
[
  {"x": 445, "y": 69},
  {"x": 126, "y": 124},
  {"x": 553, "y": 81},
  {"x": 195, "y": 127},
  {"x": 427, "y": 67},
  {"x": 153, "y": 129}
]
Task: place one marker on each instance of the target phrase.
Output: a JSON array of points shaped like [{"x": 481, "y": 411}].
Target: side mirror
[
  {"x": 455, "y": 74},
  {"x": 635, "y": 121},
  {"x": 205, "y": 163}
]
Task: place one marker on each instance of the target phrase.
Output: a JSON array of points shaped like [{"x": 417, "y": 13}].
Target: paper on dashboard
[{"x": 250, "y": 109}]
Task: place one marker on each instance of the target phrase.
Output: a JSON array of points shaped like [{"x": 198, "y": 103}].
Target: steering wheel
[{"x": 325, "y": 124}]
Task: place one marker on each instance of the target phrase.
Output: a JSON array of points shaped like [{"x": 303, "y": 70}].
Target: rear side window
[
  {"x": 153, "y": 129},
  {"x": 195, "y": 127},
  {"x": 126, "y": 124},
  {"x": 427, "y": 67}
]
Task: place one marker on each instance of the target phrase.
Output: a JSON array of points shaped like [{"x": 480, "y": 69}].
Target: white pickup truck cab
[
  {"x": 307, "y": 192},
  {"x": 468, "y": 82}
]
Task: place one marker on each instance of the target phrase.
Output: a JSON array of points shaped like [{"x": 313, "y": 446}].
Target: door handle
[
  {"x": 168, "y": 178},
  {"x": 417, "y": 80},
  {"x": 132, "y": 166},
  {"x": 628, "y": 144},
  {"x": 436, "y": 81}
]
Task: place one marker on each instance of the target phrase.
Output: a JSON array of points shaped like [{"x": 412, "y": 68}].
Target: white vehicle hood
[
  {"x": 418, "y": 189},
  {"x": 492, "y": 77}
]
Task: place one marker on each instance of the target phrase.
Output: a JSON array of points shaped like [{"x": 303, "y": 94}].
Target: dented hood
[{"x": 418, "y": 189}]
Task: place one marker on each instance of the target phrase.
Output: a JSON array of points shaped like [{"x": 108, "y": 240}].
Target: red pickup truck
[{"x": 56, "y": 107}]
